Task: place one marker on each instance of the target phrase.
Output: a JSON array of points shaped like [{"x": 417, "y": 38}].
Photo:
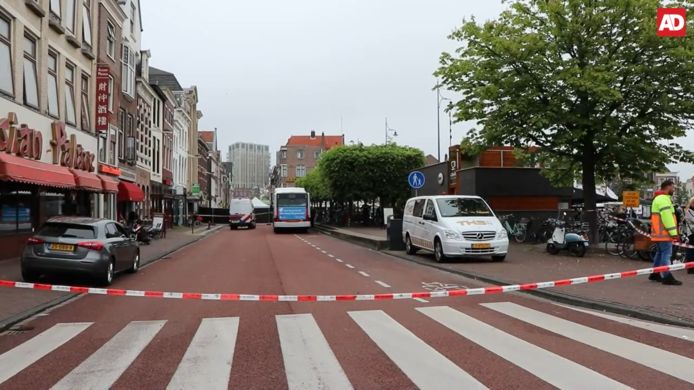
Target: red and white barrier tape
[
  {"x": 355, "y": 297},
  {"x": 641, "y": 232}
]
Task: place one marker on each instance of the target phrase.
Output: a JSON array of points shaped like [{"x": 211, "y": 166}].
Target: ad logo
[{"x": 671, "y": 22}]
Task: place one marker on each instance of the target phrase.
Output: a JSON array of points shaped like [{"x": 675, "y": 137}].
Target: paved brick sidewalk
[
  {"x": 526, "y": 263},
  {"x": 16, "y": 304}
]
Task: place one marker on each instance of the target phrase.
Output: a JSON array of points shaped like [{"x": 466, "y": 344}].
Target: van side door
[
  {"x": 430, "y": 224},
  {"x": 418, "y": 224}
]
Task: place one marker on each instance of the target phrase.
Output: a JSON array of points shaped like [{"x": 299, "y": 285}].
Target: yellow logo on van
[{"x": 473, "y": 223}]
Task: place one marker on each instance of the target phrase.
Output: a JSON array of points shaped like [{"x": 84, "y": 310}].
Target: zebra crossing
[{"x": 310, "y": 362}]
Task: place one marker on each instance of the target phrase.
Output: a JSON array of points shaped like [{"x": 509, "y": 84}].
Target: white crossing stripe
[
  {"x": 207, "y": 362},
  {"x": 548, "y": 366},
  {"x": 103, "y": 368},
  {"x": 309, "y": 363},
  {"x": 657, "y": 359},
  {"x": 426, "y": 367},
  {"x": 383, "y": 284},
  {"x": 22, "y": 356},
  {"x": 669, "y": 330}
]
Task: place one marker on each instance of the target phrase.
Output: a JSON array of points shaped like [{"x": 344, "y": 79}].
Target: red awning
[
  {"x": 13, "y": 168},
  {"x": 109, "y": 183},
  {"x": 130, "y": 192},
  {"x": 87, "y": 181}
]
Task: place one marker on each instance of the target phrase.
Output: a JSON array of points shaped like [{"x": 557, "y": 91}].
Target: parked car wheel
[
  {"x": 136, "y": 264},
  {"x": 409, "y": 248},
  {"x": 252, "y": 225},
  {"x": 29, "y": 276},
  {"x": 438, "y": 251},
  {"x": 499, "y": 258},
  {"x": 107, "y": 274}
]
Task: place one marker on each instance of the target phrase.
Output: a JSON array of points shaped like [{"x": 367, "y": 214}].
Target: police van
[{"x": 453, "y": 226}]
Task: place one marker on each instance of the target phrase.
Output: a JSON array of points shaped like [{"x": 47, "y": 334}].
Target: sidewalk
[
  {"x": 371, "y": 237},
  {"x": 18, "y": 304},
  {"x": 632, "y": 296}
]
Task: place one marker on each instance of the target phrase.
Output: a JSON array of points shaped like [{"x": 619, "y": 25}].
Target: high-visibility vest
[{"x": 663, "y": 221}]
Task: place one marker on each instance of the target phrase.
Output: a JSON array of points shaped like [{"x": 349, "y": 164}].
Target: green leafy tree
[
  {"x": 315, "y": 184},
  {"x": 587, "y": 82},
  {"x": 363, "y": 173}
]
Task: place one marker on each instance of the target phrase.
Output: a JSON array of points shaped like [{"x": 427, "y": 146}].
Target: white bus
[{"x": 291, "y": 209}]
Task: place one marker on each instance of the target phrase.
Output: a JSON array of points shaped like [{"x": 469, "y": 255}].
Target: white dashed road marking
[
  {"x": 350, "y": 266},
  {"x": 362, "y": 273},
  {"x": 386, "y": 285}
]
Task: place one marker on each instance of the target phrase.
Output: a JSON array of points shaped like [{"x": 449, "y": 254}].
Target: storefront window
[
  {"x": 51, "y": 204},
  {"x": 15, "y": 212}
]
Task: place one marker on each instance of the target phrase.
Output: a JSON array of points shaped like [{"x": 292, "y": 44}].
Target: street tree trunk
[{"x": 590, "y": 214}]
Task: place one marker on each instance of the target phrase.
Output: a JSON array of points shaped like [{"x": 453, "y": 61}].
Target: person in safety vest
[{"x": 664, "y": 231}]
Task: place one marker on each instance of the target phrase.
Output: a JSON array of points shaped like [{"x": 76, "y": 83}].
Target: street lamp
[
  {"x": 388, "y": 131},
  {"x": 440, "y": 99}
]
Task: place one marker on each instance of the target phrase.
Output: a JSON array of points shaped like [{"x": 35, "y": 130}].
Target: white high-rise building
[{"x": 250, "y": 168}]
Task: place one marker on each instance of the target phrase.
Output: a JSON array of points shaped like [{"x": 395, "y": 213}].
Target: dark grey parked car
[{"x": 96, "y": 247}]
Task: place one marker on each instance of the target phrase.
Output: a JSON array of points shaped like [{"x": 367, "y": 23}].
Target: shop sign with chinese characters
[{"x": 102, "y": 94}]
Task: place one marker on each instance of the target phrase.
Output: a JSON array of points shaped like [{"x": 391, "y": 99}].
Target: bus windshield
[{"x": 291, "y": 200}]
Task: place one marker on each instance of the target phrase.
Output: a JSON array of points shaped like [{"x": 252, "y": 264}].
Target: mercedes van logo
[{"x": 480, "y": 236}]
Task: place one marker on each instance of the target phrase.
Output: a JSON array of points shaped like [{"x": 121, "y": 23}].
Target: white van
[{"x": 453, "y": 225}]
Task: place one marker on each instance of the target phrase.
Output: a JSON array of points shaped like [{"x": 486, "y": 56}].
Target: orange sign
[
  {"x": 631, "y": 198},
  {"x": 109, "y": 169}
]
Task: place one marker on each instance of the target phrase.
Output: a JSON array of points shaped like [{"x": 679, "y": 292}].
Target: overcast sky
[{"x": 269, "y": 69}]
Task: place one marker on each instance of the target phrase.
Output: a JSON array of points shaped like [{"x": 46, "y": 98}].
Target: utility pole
[
  {"x": 386, "y": 132},
  {"x": 438, "y": 120}
]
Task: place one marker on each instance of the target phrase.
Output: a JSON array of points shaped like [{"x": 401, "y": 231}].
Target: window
[
  {"x": 70, "y": 15},
  {"x": 6, "y": 83},
  {"x": 31, "y": 88},
  {"x": 132, "y": 18},
  {"x": 113, "y": 136},
  {"x": 55, "y": 9},
  {"x": 53, "y": 84},
  {"x": 110, "y": 94},
  {"x": 284, "y": 170},
  {"x": 284, "y": 154},
  {"x": 112, "y": 231},
  {"x": 300, "y": 154},
  {"x": 121, "y": 134},
  {"x": 316, "y": 154},
  {"x": 110, "y": 40},
  {"x": 15, "y": 212},
  {"x": 85, "y": 103},
  {"x": 86, "y": 24},
  {"x": 70, "y": 94},
  {"x": 128, "y": 74},
  {"x": 463, "y": 207},
  {"x": 429, "y": 210},
  {"x": 300, "y": 171},
  {"x": 418, "y": 208}
]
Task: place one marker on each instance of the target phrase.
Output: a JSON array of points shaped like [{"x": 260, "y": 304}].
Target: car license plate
[
  {"x": 484, "y": 245},
  {"x": 62, "y": 247}
]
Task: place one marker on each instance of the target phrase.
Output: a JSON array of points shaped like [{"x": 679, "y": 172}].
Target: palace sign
[{"x": 25, "y": 142}]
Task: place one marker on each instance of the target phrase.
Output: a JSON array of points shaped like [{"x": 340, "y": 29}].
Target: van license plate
[
  {"x": 484, "y": 245},
  {"x": 62, "y": 247}
]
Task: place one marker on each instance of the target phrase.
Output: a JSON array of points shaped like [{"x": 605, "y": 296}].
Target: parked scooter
[
  {"x": 140, "y": 234},
  {"x": 575, "y": 243}
]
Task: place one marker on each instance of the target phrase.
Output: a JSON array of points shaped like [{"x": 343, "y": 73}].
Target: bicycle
[{"x": 519, "y": 230}]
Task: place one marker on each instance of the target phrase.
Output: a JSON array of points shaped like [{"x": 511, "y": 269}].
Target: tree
[
  {"x": 587, "y": 82},
  {"x": 315, "y": 184},
  {"x": 366, "y": 173}
]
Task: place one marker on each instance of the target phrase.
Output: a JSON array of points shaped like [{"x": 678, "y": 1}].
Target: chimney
[{"x": 313, "y": 134}]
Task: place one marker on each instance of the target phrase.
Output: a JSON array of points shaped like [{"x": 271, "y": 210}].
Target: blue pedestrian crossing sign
[{"x": 416, "y": 180}]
